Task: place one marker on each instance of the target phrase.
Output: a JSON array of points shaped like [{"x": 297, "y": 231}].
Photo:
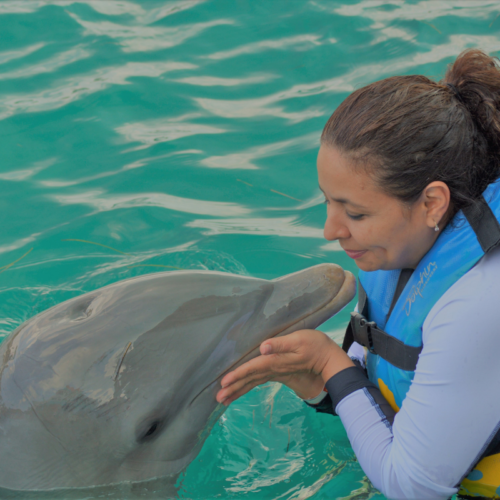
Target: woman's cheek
[
  {"x": 371, "y": 237},
  {"x": 362, "y": 237}
]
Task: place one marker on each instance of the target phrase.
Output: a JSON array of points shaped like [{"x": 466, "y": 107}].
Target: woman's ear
[{"x": 437, "y": 202}]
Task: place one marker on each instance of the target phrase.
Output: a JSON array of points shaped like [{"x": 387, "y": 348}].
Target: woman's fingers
[
  {"x": 227, "y": 396},
  {"x": 281, "y": 345},
  {"x": 291, "y": 359},
  {"x": 244, "y": 371},
  {"x": 254, "y": 370}
]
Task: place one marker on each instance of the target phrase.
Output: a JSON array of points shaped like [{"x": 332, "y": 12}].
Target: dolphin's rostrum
[{"x": 117, "y": 387}]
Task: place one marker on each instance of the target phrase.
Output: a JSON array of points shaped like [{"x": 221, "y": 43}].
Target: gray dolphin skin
[{"x": 114, "y": 390}]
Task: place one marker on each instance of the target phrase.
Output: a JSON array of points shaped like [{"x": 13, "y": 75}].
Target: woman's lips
[{"x": 355, "y": 254}]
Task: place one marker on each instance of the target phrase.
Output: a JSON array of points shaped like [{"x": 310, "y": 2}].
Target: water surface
[{"x": 155, "y": 135}]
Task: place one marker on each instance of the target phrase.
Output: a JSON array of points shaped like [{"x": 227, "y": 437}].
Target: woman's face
[{"x": 373, "y": 228}]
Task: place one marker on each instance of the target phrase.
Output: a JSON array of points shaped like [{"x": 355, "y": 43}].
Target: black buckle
[{"x": 362, "y": 330}]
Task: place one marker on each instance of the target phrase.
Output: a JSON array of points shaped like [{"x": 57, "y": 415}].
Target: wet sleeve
[
  {"x": 347, "y": 381},
  {"x": 452, "y": 410},
  {"x": 323, "y": 402}
]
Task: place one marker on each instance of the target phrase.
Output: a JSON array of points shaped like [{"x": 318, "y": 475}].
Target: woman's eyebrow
[{"x": 344, "y": 201}]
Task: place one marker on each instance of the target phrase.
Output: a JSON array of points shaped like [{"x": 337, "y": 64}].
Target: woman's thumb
[
  {"x": 266, "y": 348},
  {"x": 274, "y": 346}
]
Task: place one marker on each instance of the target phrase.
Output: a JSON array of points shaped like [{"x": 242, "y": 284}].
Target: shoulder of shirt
[{"x": 473, "y": 291}]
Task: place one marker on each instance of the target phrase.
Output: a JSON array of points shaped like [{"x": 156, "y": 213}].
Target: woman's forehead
[
  {"x": 343, "y": 200},
  {"x": 340, "y": 181}
]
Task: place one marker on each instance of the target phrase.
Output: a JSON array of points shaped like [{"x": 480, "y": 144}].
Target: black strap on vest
[
  {"x": 487, "y": 229},
  {"x": 484, "y": 224},
  {"x": 376, "y": 340},
  {"x": 363, "y": 310}
]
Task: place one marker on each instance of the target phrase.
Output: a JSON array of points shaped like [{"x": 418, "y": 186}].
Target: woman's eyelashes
[
  {"x": 351, "y": 216},
  {"x": 355, "y": 216}
]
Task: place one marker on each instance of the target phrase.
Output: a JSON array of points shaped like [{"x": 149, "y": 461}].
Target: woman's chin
[{"x": 367, "y": 265}]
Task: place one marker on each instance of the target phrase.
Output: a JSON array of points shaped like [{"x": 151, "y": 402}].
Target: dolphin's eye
[{"x": 150, "y": 431}]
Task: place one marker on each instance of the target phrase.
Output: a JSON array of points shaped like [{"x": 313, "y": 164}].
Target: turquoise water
[{"x": 142, "y": 137}]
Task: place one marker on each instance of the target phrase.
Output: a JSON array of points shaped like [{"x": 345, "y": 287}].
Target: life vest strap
[
  {"x": 378, "y": 342},
  {"x": 487, "y": 230},
  {"x": 369, "y": 335},
  {"x": 484, "y": 223}
]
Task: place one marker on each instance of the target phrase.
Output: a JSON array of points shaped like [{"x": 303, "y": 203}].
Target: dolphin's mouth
[{"x": 289, "y": 329}]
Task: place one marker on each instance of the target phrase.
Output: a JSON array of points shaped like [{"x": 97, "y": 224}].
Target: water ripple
[
  {"x": 251, "y": 108},
  {"x": 18, "y": 54},
  {"x": 314, "y": 201},
  {"x": 424, "y": 10},
  {"x": 106, "y": 7},
  {"x": 25, "y": 7},
  {"x": 214, "y": 81},
  {"x": 262, "y": 106},
  {"x": 154, "y": 132},
  {"x": 146, "y": 38},
  {"x": 102, "y": 201},
  {"x": 15, "y": 245},
  {"x": 421, "y": 11},
  {"x": 49, "y": 65},
  {"x": 284, "y": 226},
  {"x": 244, "y": 160},
  {"x": 56, "y": 183},
  {"x": 27, "y": 173},
  {"x": 301, "y": 42},
  {"x": 77, "y": 87},
  {"x": 118, "y": 8},
  {"x": 332, "y": 246}
]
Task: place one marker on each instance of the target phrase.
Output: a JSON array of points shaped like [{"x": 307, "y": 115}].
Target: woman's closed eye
[
  {"x": 355, "y": 216},
  {"x": 351, "y": 216}
]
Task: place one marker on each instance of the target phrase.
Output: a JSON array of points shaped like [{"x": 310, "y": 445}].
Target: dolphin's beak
[
  {"x": 302, "y": 300},
  {"x": 315, "y": 295},
  {"x": 320, "y": 292}
]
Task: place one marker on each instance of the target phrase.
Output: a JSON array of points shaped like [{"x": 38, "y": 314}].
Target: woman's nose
[{"x": 335, "y": 229}]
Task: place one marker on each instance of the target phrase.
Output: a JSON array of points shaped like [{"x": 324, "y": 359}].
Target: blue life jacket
[{"x": 457, "y": 250}]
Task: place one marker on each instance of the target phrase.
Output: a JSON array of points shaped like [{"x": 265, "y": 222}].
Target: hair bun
[
  {"x": 408, "y": 131},
  {"x": 456, "y": 92},
  {"x": 476, "y": 78}
]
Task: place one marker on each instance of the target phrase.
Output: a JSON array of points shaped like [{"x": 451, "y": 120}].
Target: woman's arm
[
  {"x": 303, "y": 361},
  {"x": 452, "y": 410}
]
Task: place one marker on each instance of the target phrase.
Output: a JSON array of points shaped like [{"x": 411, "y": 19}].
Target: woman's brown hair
[{"x": 408, "y": 131}]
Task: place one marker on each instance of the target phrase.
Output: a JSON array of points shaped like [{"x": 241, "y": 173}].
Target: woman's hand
[{"x": 303, "y": 360}]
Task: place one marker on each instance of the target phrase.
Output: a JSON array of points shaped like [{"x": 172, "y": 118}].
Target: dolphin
[{"x": 114, "y": 390}]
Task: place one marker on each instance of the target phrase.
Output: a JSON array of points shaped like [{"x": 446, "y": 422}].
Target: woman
[{"x": 409, "y": 167}]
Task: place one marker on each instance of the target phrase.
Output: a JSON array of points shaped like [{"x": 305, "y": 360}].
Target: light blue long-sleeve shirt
[{"x": 452, "y": 409}]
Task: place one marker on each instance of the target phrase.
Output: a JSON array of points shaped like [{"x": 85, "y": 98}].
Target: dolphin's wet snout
[{"x": 299, "y": 301}]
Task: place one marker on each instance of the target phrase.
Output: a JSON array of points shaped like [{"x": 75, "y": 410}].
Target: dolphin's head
[{"x": 119, "y": 384}]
